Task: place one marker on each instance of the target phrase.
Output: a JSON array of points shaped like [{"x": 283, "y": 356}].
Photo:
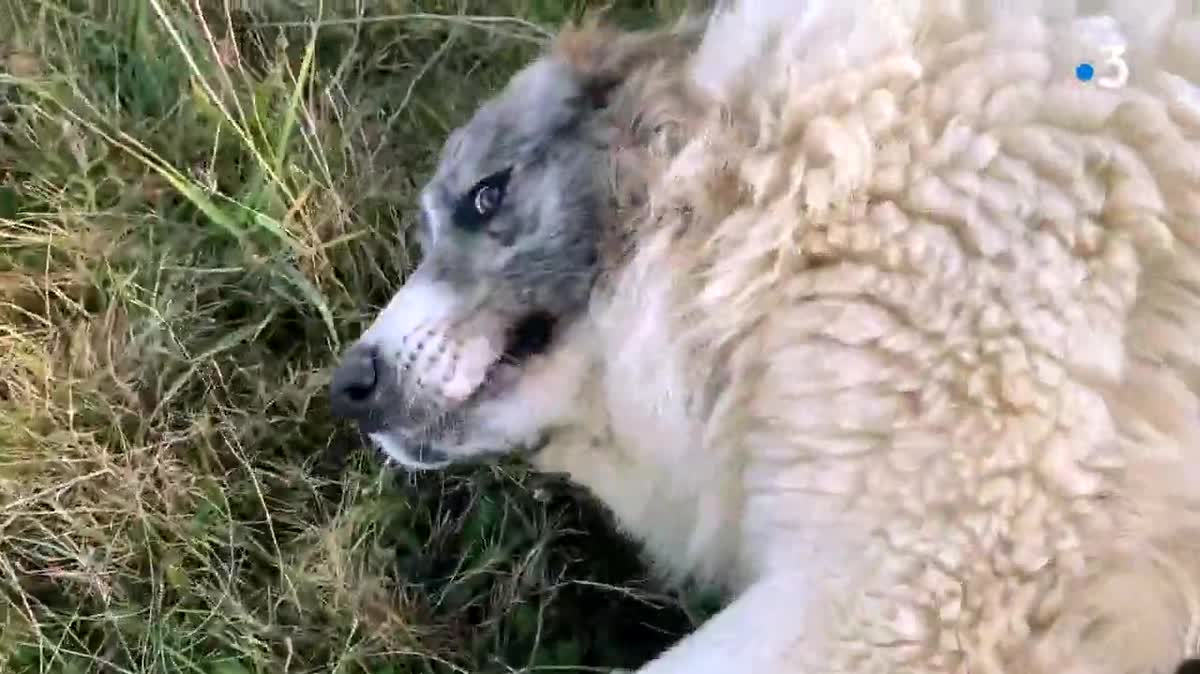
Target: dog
[{"x": 877, "y": 315}]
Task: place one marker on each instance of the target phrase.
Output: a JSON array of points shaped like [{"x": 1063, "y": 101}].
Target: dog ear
[{"x": 601, "y": 56}]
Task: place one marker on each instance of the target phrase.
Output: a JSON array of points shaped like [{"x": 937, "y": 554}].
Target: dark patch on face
[
  {"x": 532, "y": 159},
  {"x": 530, "y": 336}
]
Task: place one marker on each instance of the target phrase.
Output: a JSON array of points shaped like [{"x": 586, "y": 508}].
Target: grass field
[{"x": 199, "y": 207}]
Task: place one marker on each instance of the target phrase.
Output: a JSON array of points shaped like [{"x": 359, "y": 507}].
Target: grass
[{"x": 199, "y": 207}]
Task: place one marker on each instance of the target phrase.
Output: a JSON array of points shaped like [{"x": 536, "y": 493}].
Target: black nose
[{"x": 354, "y": 382}]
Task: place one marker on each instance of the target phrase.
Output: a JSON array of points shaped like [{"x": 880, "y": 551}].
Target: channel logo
[{"x": 1111, "y": 73}]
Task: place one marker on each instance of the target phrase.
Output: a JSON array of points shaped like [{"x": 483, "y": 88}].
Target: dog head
[{"x": 475, "y": 354}]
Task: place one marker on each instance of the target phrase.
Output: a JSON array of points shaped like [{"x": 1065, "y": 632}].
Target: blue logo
[{"x": 1084, "y": 72}]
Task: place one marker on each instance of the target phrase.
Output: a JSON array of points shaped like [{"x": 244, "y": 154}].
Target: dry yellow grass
[{"x": 198, "y": 208}]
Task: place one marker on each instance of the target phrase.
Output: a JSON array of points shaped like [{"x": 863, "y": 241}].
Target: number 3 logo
[{"x": 1116, "y": 61}]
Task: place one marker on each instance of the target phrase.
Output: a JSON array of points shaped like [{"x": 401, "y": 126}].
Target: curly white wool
[{"x": 924, "y": 389}]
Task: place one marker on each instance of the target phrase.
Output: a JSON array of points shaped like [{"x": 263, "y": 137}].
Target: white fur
[
  {"x": 419, "y": 302},
  {"x": 928, "y": 400},
  {"x": 418, "y": 320}
]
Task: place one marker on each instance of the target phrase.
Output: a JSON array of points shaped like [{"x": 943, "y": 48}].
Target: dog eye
[
  {"x": 487, "y": 199},
  {"x": 482, "y": 201}
]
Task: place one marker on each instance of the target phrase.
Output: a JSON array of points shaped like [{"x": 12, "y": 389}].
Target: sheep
[{"x": 879, "y": 315}]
